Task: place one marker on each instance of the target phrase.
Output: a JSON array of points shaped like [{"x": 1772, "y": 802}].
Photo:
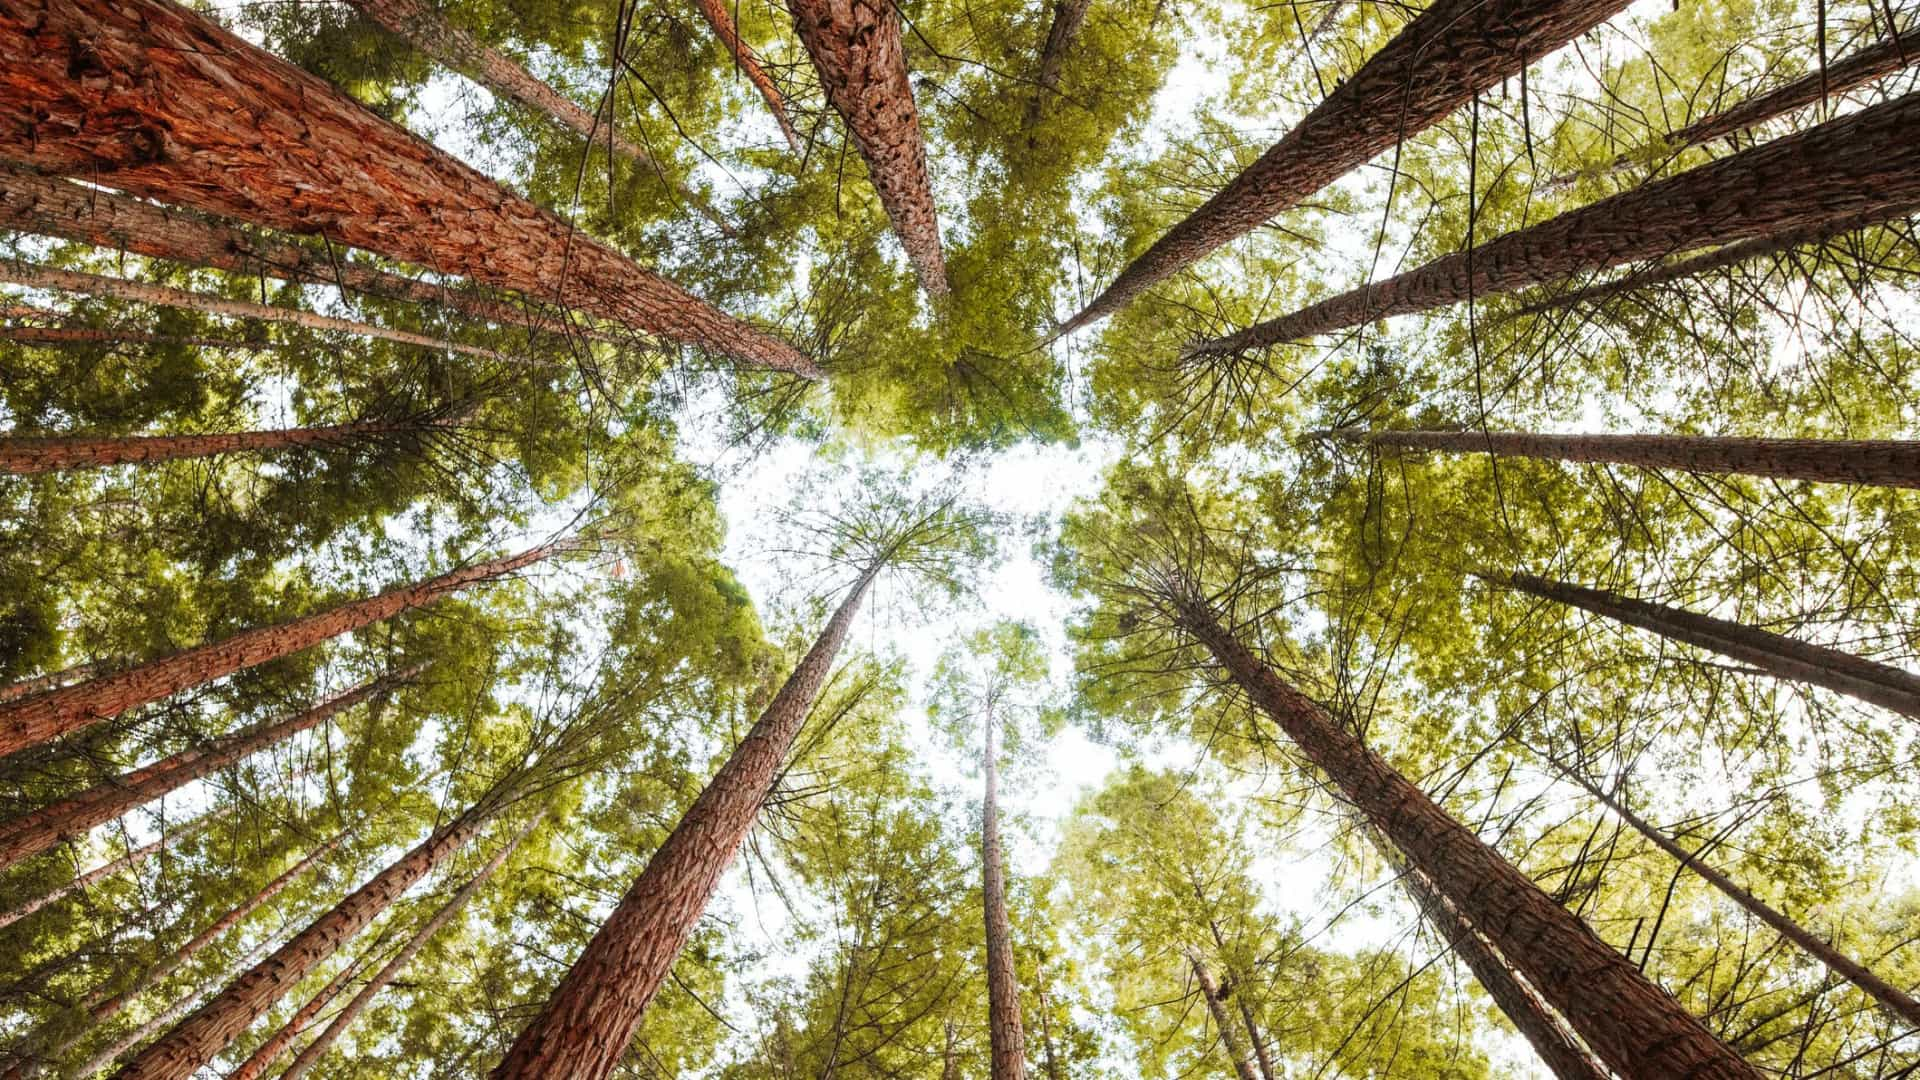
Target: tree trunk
[
  {"x": 43, "y": 717},
  {"x": 750, "y": 65},
  {"x": 88, "y": 335},
  {"x": 856, "y": 48},
  {"x": 1782, "y": 657},
  {"x": 41, "y": 683},
  {"x": 26, "y": 455},
  {"x": 590, "y": 1020},
  {"x": 1873, "y": 462},
  {"x": 1046, "y": 1038},
  {"x": 1068, "y": 17},
  {"x": 269, "y": 1051},
  {"x": 175, "y": 108},
  {"x": 1861, "y": 165},
  {"x": 1007, "y": 1039},
  {"x": 1437, "y": 63},
  {"x": 1261, "y": 1055},
  {"x": 107, "y": 1055},
  {"x": 30, "y": 834},
  {"x": 1894, "y": 1000},
  {"x": 132, "y": 858},
  {"x": 1216, "y": 1005},
  {"x": 1630, "y": 1023}
]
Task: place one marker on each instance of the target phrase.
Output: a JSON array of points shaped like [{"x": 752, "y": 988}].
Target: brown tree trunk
[
  {"x": 590, "y": 1020},
  {"x": 107, "y": 1055},
  {"x": 1861, "y": 165},
  {"x": 25, "y": 455},
  {"x": 1874, "y": 462},
  {"x": 88, "y": 335},
  {"x": 1068, "y": 17},
  {"x": 269, "y": 1051},
  {"x": 1780, "y": 656},
  {"x": 1892, "y": 999},
  {"x": 43, "y": 717},
  {"x": 1217, "y": 1006},
  {"x": 856, "y": 48},
  {"x": 750, "y": 65},
  {"x": 172, "y": 107},
  {"x": 1437, "y": 63},
  {"x": 1641, "y": 1032},
  {"x": 1006, "y": 1037},
  {"x": 1255, "y": 1037},
  {"x": 132, "y": 858},
  {"x": 1046, "y": 1038}
]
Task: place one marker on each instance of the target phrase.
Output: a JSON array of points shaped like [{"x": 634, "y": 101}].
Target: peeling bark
[{"x": 750, "y": 65}]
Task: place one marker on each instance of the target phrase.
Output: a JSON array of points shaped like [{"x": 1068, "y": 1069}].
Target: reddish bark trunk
[
  {"x": 1884, "y": 58},
  {"x": 25, "y": 455},
  {"x": 750, "y": 65},
  {"x": 269, "y": 1051},
  {"x": 1068, "y": 17},
  {"x": 167, "y": 105},
  {"x": 1007, "y": 1039},
  {"x": 38, "y": 719},
  {"x": 1780, "y": 656},
  {"x": 856, "y": 48},
  {"x": 1863, "y": 165},
  {"x": 590, "y": 1020},
  {"x": 1216, "y": 1005},
  {"x": 41, "y": 683},
  {"x": 1630, "y": 1023},
  {"x": 132, "y": 858},
  {"x": 108, "y": 1054},
  {"x": 1452, "y": 51}
]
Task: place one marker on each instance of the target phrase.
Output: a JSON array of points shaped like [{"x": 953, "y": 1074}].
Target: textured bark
[
  {"x": 161, "y": 103},
  {"x": 88, "y": 335},
  {"x": 1450, "y": 52},
  {"x": 1007, "y": 1039},
  {"x": 1216, "y": 1004},
  {"x": 750, "y": 65},
  {"x": 24, "y": 455},
  {"x": 1877, "y": 462},
  {"x": 855, "y": 46},
  {"x": 276, "y": 1044},
  {"x": 40, "y": 683},
  {"x": 132, "y": 858},
  {"x": 31, "y": 721},
  {"x": 1884, "y": 58},
  {"x": 1780, "y": 656},
  {"x": 1631, "y": 1024},
  {"x": 588, "y": 1023},
  {"x": 1068, "y": 17},
  {"x": 108, "y": 1054},
  {"x": 1864, "y": 164}
]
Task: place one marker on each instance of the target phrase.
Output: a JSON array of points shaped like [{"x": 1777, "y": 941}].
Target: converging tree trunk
[
  {"x": 1068, "y": 17},
  {"x": 276, "y": 1044},
  {"x": 1007, "y": 1039},
  {"x": 750, "y": 65},
  {"x": 1780, "y": 656},
  {"x": 855, "y": 46},
  {"x": 589, "y": 1021},
  {"x": 112, "y": 1051},
  {"x": 41, "y": 683},
  {"x": 132, "y": 858},
  {"x": 1230, "y": 1038},
  {"x": 1861, "y": 165},
  {"x": 43, "y": 717},
  {"x": 1437, "y": 63},
  {"x": 26, "y": 455},
  {"x": 168, "y": 103}
]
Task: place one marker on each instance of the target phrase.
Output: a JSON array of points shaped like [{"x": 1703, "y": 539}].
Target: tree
[
  {"x": 133, "y": 857},
  {"x": 1062, "y": 28},
  {"x": 750, "y": 65},
  {"x": 30, "y": 454}
]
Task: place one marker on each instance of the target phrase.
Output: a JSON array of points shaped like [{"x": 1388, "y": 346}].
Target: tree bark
[
  {"x": 1780, "y": 656},
  {"x": 132, "y": 858},
  {"x": 26, "y": 455},
  {"x": 1007, "y": 1039},
  {"x": 588, "y": 1023},
  {"x": 855, "y": 46},
  {"x": 107, "y": 1055},
  {"x": 43, "y": 717},
  {"x": 1884, "y": 58},
  {"x": 1629, "y": 1022},
  {"x": 88, "y": 335},
  {"x": 169, "y": 106},
  {"x": 1068, "y": 17},
  {"x": 1437, "y": 63},
  {"x": 1861, "y": 165},
  {"x": 269, "y": 1051},
  {"x": 1217, "y": 1006},
  {"x": 41, "y": 683},
  {"x": 750, "y": 65}
]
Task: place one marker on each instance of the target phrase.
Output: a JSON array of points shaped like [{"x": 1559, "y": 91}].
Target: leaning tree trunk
[
  {"x": 750, "y": 65},
  {"x": 111, "y": 1052},
  {"x": 1068, "y": 17},
  {"x": 1641, "y": 1032},
  {"x": 1780, "y": 656},
  {"x": 1217, "y": 1006},
  {"x": 41, "y": 683},
  {"x": 168, "y": 103},
  {"x": 588, "y": 1023},
  {"x": 1437, "y": 63},
  {"x": 25, "y": 455},
  {"x": 1873, "y": 462},
  {"x": 1861, "y": 165},
  {"x": 268, "y": 1052},
  {"x": 132, "y": 858},
  {"x": 856, "y": 48},
  {"x": 44, "y": 717},
  {"x": 88, "y": 335},
  {"x": 1891, "y": 998},
  {"x": 1006, "y": 1038}
]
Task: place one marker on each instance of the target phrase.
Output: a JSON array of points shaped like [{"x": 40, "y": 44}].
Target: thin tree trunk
[
  {"x": 1068, "y": 17},
  {"x": 170, "y": 105},
  {"x": 41, "y": 683},
  {"x": 1261, "y": 1055},
  {"x": 107, "y": 1055},
  {"x": 750, "y": 65},
  {"x": 130, "y": 859},
  {"x": 26, "y": 455},
  {"x": 269, "y": 1051},
  {"x": 855, "y": 46},
  {"x": 1894, "y": 1000},
  {"x": 43, "y": 717},
  {"x": 588, "y": 1023},
  {"x": 88, "y": 335},
  {"x": 1873, "y": 462},
  {"x": 1629, "y": 1022},
  {"x": 1437, "y": 63},
  {"x": 1780, "y": 656},
  {"x": 1216, "y": 1005},
  {"x": 1046, "y": 1038},
  {"x": 1006, "y": 1037},
  {"x": 1861, "y": 165}
]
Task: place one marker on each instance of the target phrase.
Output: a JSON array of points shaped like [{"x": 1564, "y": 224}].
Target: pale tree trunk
[
  {"x": 276, "y": 1044},
  {"x": 855, "y": 46},
  {"x": 1630, "y": 1023},
  {"x": 1007, "y": 1038},
  {"x": 590, "y": 1020},
  {"x": 750, "y": 65},
  {"x": 1046, "y": 1038},
  {"x": 1068, "y": 17},
  {"x": 26, "y": 455},
  {"x": 1778, "y": 655},
  {"x": 1864, "y": 165},
  {"x": 41, "y": 718},
  {"x": 1262, "y": 1056},
  {"x": 1230, "y": 1039},
  {"x": 169, "y": 104},
  {"x": 130, "y": 859},
  {"x": 1436, "y": 64},
  {"x": 108, "y": 1054}
]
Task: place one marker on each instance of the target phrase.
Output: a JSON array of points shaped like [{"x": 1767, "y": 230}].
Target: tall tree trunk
[
  {"x": 88, "y": 335},
  {"x": 1861, "y": 165},
  {"x": 132, "y": 858},
  {"x": 41, "y": 683},
  {"x": 1068, "y": 17},
  {"x": 855, "y": 46},
  {"x": 750, "y": 65},
  {"x": 318, "y": 1048},
  {"x": 1874, "y": 462},
  {"x": 1007, "y": 1039},
  {"x": 1895, "y": 1001},
  {"x": 43, "y": 717},
  {"x": 276, "y": 1044},
  {"x": 108, "y": 1054},
  {"x": 1780, "y": 656},
  {"x": 26, "y": 455},
  {"x": 30, "y": 834},
  {"x": 1217, "y": 1006},
  {"x": 1630, "y": 1023},
  {"x": 1437, "y": 63},
  {"x": 1046, "y": 1038},
  {"x": 590, "y": 1020},
  {"x": 1262, "y": 1056},
  {"x": 170, "y": 104}
]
